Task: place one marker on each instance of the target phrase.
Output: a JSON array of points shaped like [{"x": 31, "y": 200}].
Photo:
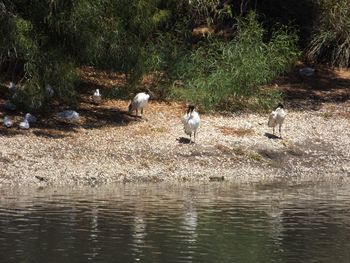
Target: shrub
[
  {"x": 219, "y": 74},
  {"x": 49, "y": 39},
  {"x": 330, "y": 41}
]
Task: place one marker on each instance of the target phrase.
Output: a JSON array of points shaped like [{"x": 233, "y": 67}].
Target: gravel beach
[{"x": 107, "y": 145}]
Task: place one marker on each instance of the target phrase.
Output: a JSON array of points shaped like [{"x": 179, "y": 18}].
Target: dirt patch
[
  {"x": 240, "y": 132},
  {"x": 309, "y": 93},
  {"x": 345, "y": 115}
]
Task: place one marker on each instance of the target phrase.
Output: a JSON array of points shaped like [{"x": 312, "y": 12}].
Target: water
[{"x": 216, "y": 222}]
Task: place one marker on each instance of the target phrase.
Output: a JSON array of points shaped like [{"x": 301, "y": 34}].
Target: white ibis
[
  {"x": 277, "y": 117},
  {"x": 139, "y": 102},
  {"x": 191, "y": 122}
]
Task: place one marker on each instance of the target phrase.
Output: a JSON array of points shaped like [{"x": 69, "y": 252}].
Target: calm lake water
[{"x": 216, "y": 222}]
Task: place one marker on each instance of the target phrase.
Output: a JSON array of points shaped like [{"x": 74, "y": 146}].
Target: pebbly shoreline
[{"x": 109, "y": 146}]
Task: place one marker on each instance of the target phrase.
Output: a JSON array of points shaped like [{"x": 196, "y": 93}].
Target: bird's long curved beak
[{"x": 152, "y": 96}]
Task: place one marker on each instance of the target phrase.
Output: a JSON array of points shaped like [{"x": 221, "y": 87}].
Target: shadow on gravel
[
  {"x": 9, "y": 132},
  {"x": 50, "y": 126},
  {"x": 184, "y": 140},
  {"x": 111, "y": 112},
  {"x": 48, "y": 135},
  {"x": 271, "y": 136},
  {"x": 309, "y": 93}
]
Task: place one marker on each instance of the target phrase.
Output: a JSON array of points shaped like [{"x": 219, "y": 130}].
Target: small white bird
[
  {"x": 69, "y": 115},
  {"x": 30, "y": 118},
  {"x": 8, "y": 122},
  {"x": 139, "y": 102},
  {"x": 49, "y": 92},
  {"x": 97, "y": 96},
  {"x": 191, "y": 122},
  {"x": 24, "y": 125},
  {"x": 12, "y": 87},
  {"x": 277, "y": 117}
]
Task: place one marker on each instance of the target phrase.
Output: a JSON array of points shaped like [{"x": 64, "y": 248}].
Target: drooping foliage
[
  {"x": 212, "y": 52},
  {"x": 46, "y": 40},
  {"x": 330, "y": 41}
]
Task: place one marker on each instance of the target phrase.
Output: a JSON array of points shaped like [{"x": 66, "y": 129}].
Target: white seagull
[
  {"x": 139, "y": 102},
  {"x": 8, "y": 122},
  {"x": 97, "y": 96},
  {"x": 49, "y": 92},
  {"x": 191, "y": 122},
  {"x": 30, "y": 118},
  {"x": 12, "y": 87},
  {"x": 69, "y": 115},
  {"x": 277, "y": 117},
  {"x": 24, "y": 125}
]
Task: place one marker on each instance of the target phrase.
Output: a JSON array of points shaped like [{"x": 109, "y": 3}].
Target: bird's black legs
[{"x": 280, "y": 130}]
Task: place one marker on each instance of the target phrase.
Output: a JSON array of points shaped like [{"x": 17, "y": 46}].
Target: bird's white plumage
[
  {"x": 191, "y": 122},
  {"x": 69, "y": 115},
  {"x": 30, "y": 118},
  {"x": 12, "y": 87},
  {"x": 139, "y": 102},
  {"x": 8, "y": 122},
  {"x": 24, "y": 125},
  {"x": 97, "y": 96},
  {"x": 49, "y": 92},
  {"x": 272, "y": 119},
  {"x": 277, "y": 118}
]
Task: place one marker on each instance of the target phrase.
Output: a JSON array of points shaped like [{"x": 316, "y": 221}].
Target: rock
[
  {"x": 216, "y": 178},
  {"x": 40, "y": 178},
  {"x": 307, "y": 71}
]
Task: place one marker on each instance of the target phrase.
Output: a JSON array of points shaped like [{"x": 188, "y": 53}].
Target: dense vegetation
[
  {"x": 215, "y": 53},
  {"x": 330, "y": 41}
]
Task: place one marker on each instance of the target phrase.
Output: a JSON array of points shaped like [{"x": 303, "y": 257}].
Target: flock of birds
[
  {"x": 24, "y": 124},
  {"x": 191, "y": 120}
]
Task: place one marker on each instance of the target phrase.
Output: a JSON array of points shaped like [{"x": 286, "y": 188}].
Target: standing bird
[
  {"x": 277, "y": 117},
  {"x": 97, "y": 96},
  {"x": 191, "y": 122},
  {"x": 139, "y": 102}
]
